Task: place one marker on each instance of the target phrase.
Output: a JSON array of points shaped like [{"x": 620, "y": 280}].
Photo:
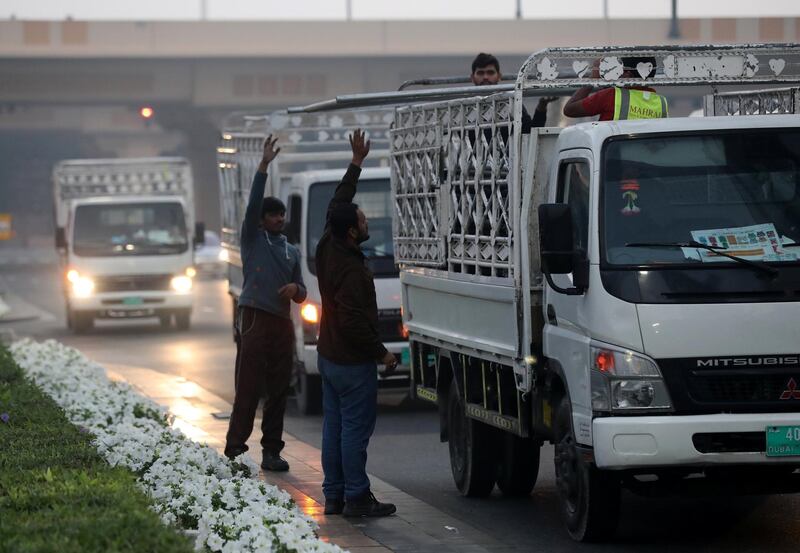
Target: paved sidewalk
[{"x": 416, "y": 528}]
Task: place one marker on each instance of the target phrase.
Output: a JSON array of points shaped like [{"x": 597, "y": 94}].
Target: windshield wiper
[{"x": 771, "y": 271}]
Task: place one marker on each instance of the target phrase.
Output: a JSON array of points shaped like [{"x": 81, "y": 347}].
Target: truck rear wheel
[
  {"x": 589, "y": 498},
  {"x": 472, "y": 449},
  {"x": 518, "y": 468},
  {"x": 308, "y": 392}
]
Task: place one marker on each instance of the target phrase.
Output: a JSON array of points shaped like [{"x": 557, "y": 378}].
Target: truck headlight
[
  {"x": 181, "y": 284},
  {"x": 223, "y": 256},
  {"x": 622, "y": 380},
  {"x": 311, "y": 314},
  {"x": 82, "y": 287}
]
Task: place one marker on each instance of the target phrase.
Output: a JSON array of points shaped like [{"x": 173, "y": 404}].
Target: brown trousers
[{"x": 263, "y": 369}]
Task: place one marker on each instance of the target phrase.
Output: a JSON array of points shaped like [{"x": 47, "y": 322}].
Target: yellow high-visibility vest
[{"x": 630, "y": 103}]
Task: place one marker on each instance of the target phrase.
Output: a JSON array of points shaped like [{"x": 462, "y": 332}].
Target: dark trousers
[
  {"x": 263, "y": 369},
  {"x": 349, "y": 406}
]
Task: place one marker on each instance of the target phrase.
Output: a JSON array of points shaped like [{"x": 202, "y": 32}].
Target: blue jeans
[{"x": 349, "y": 405}]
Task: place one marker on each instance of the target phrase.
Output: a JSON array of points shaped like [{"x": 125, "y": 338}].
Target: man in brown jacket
[{"x": 349, "y": 347}]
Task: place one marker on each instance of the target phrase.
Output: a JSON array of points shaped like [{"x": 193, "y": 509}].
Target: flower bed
[{"x": 191, "y": 485}]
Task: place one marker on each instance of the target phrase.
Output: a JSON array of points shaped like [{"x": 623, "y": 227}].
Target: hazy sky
[{"x": 386, "y": 9}]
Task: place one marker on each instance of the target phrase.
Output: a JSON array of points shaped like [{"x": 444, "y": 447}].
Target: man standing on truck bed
[
  {"x": 348, "y": 346},
  {"x": 615, "y": 103},
  {"x": 272, "y": 278},
  {"x": 486, "y": 71}
]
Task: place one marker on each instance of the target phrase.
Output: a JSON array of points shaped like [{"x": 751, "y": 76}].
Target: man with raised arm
[
  {"x": 349, "y": 348},
  {"x": 272, "y": 279}
]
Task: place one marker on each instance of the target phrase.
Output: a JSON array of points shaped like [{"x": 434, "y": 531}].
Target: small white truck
[
  {"x": 627, "y": 290},
  {"x": 125, "y": 232},
  {"x": 315, "y": 152}
]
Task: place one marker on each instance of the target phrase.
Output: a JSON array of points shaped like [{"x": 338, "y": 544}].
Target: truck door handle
[{"x": 551, "y": 315}]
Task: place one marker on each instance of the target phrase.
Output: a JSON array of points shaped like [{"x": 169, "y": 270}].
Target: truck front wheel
[
  {"x": 589, "y": 498},
  {"x": 183, "y": 319},
  {"x": 472, "y": 449},
  {"x": 519, "y": 465},
  {"x": 79, "y": 323}
]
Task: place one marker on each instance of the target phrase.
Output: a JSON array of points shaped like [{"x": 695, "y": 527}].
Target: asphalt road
[{"x": 405, "y": 450}]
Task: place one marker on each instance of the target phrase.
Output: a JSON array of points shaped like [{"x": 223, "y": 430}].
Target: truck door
[{"x": 566, "y": 337}]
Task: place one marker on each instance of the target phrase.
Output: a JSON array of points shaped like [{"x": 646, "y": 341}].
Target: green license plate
[
  {"x": 132, "y": 301},
  {"x": 405, "y": 357},
  {"x": 783, "y": 441}
]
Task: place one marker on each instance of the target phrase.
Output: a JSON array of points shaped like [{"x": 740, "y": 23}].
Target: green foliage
[{"x": 56, "y": 492}]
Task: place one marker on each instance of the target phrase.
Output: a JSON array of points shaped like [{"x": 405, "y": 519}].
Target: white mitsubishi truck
[
  {"x": 628, "y": 290},
  {"x": 315, "y": 152},
  {"x": 126, "y": 233}
]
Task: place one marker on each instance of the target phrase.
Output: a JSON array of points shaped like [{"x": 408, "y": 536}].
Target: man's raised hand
[
  {"x": 360, "y": 147},
  {"x": 270, "y": 152}
]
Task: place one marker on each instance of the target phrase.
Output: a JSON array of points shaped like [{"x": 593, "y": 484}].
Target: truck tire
[
  {"x": 308, "y": 392},
  {"x": 472, "y": 449},
  {"x": 589, "y": 498},
  {"x": 80, "y": 323},
  {"x": 518, "y": 467},
  {"x": 183, "y": 319},
  {"x": 165, "y": 320}
]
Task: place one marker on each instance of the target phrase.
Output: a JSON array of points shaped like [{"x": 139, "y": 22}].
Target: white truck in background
[
  {"x": 315, "y": 152},
  {"x": 125, "y": 230},
  {"x": 626, "y": 290}
]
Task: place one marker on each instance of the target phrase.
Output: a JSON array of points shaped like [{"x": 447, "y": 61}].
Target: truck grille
[
  {"x": 132, "y": 283},
  {"x": 727, "y": 388},
  {"x": 731, "y": 389},
  {"x": 390, "y": 325}
]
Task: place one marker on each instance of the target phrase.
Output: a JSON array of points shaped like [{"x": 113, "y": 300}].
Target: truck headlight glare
[
  {"x": 181, "y": 284},
  {"x": 223, "y": 256},
  {"x": 622, "y": 380},
  {"x": 82, "y": 286}
]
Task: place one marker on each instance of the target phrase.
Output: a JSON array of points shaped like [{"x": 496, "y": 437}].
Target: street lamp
[{"x": 674, "y": 30}]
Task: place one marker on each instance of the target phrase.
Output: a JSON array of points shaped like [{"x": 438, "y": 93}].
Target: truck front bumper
[
  {"x": 131, "y": 304},
  {"x": 669, "y": 441}
]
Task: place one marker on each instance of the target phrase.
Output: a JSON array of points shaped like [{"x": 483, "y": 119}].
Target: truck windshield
[
  {"x": 130, "y": 229},
  {"x": 374, "y": 199},
  {"x": 736, "y": 192}
]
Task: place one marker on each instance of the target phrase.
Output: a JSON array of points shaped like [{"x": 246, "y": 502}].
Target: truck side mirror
[
  {"x": 61, "y": 238},
  {"x": 557, "y": 249},
  {"x": 199, "y": 234}
]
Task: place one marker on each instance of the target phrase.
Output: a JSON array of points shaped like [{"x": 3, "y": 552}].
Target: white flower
[{"x": 191, "y": 485}]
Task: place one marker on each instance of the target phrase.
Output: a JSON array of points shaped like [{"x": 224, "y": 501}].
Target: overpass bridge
[{"x": 74, "y": 88}]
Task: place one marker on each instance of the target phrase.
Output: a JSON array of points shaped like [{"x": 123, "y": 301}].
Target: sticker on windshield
[
  {"x": 630, "y": 193},
  {"x": 754, "y": 242}
]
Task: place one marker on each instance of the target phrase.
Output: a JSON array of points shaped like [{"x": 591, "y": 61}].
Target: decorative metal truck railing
[
  {"x": 89, "y": 178},
  {"x": 450, "y": 163},
  {"x": 776, "y": 101}
]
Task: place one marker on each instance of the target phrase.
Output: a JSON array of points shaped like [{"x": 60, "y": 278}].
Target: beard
[{"x": 362, "y": 237}]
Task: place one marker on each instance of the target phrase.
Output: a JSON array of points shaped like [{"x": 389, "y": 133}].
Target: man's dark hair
[
  {"x": 343, "y": 217},
  {"x": 483, "y": 59},
  {"x": 271, "y": 204},
  {"x": 631, "y": 62}
]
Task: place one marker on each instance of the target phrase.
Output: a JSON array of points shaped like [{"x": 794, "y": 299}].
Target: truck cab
[
  {"x": 126, "y": 238},
  {"x": 690, "y": 228}
]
